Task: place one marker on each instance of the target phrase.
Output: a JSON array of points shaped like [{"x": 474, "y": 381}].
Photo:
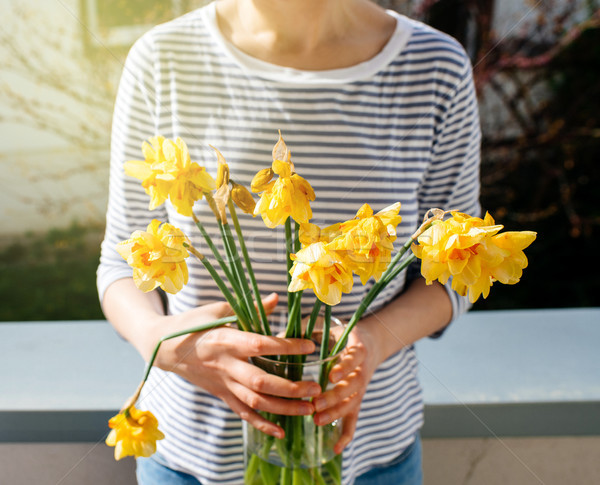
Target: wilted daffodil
[
  {"x": 133, "y": 433},
  {"x": 288, "y": 196},
  {"x": 473, "y": 253},
  {"x": 168, "y": 173},
  {"x": 318, "y": 268},
  {"x": 367, "y": 240},
  {"x": 242, "y": 197},
  {"x": 157, "y": 257}
]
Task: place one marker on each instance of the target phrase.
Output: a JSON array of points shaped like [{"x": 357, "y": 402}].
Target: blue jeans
[
  {"x": 403, "y": 470},
  {"x": 406, "y": 469}
]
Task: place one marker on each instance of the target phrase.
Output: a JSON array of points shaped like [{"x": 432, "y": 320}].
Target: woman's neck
[{"x": 306, "y": 34}]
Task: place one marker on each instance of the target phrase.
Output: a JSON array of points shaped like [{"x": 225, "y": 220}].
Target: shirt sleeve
[
  {"x": 452, "y": 181},
  {"x": 135, "y": 119}
]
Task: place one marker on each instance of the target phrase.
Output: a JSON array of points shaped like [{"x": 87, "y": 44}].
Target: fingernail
[
  {"x": 319, "y": 404},
  {"x": 335, "y": 376}
]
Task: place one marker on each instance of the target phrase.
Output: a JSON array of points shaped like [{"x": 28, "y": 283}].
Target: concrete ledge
[
  {"x": 509, "y": 373},
  {"x": 514, "y": 373},
  {"x": 535, "y": 419}
]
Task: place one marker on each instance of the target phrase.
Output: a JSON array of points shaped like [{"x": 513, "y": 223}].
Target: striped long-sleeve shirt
[{"x": 402, "y": 126}]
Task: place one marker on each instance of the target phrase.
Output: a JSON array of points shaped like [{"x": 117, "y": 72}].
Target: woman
[{"x": 375, "y": 108}]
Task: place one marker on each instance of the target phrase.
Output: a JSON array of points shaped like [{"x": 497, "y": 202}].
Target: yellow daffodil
[
  {"x": 311, "y": 233},
  {"x": 318, "y": 268},
  {"x": 168, "y": 173},
  {"x": 473, "y": 253},
  {"x": 288, "y": 196},
  {"x": 157, "y": 257},
  {"x": 367, "y": 240},
  {"x": 133, "y": 433}
]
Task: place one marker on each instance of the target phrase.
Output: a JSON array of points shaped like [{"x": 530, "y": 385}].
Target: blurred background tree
[
  {"x": 60, "y": 64},
  {"x": 535, "y": 66},
  {"x": 537, "y": 82}
]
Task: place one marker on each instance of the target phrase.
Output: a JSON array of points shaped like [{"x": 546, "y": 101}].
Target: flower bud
[
  {"x": 262, "y": 180},
  {"x": 242, "y": 197}
]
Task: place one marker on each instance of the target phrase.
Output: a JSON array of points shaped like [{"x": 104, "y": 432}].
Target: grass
[{"x": 51, "y": 276}]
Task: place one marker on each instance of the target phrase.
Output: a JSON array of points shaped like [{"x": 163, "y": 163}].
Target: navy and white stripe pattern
[{"x": 401, "y": 127}]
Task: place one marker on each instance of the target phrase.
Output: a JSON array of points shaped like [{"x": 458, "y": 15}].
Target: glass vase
[{"x": 305, "y": 455}]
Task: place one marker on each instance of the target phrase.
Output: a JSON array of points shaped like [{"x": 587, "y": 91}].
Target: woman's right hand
[{"x": 217, "y": 361}]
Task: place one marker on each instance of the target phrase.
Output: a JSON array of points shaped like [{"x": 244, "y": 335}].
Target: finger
[
  {"x": 352, "y": 357},
  {"x": 255, "y": 419},
  {"x": 343, "y": 390},
  {"x": 263, "y": 382},
  {"x": 270, "y": 302},
  {"x": 348, "y": 429},
  {"x": 271, "y": 404},
  {"x": 340, "y": 410},
  {"x": 253, "y": 344}
]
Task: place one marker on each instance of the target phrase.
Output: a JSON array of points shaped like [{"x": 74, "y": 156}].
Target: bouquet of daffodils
[{"x": 471, "y": 250}]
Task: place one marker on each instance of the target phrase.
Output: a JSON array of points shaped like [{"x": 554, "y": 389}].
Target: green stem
[
  {"x": 248, "y": 262},
  {"x": 239, "y": 311},
  {"x": 297, "y": 476},
  {"x": 403, "y": 265},
  {"x": 288, "y": 252},
  {"x": 297, "y": 237},
  {"x": 334, "y": 467},
  {"x": 326, "y": 329},
  {"x": 291, "y": 330},
  {"x": 405, "y": 247},
  {"x": 313, "y": 319},
  {"x": 294, "y": 325},
  {"x": 217, "y": 255},
  {"x": 251, "y": 469},
  {"x": 310, "y": 326},
  {"x": 325, "y": 368},
  {"x": 239, "y": 276},
  {"x": 317, "y": 477},
  {"x": 286, "y": 477}
]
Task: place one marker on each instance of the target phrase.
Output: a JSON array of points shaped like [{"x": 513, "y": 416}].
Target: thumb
[{"x": 270, "y": 302}]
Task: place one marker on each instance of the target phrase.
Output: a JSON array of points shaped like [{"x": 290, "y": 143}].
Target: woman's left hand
[{"x": 351, "y": 376}]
